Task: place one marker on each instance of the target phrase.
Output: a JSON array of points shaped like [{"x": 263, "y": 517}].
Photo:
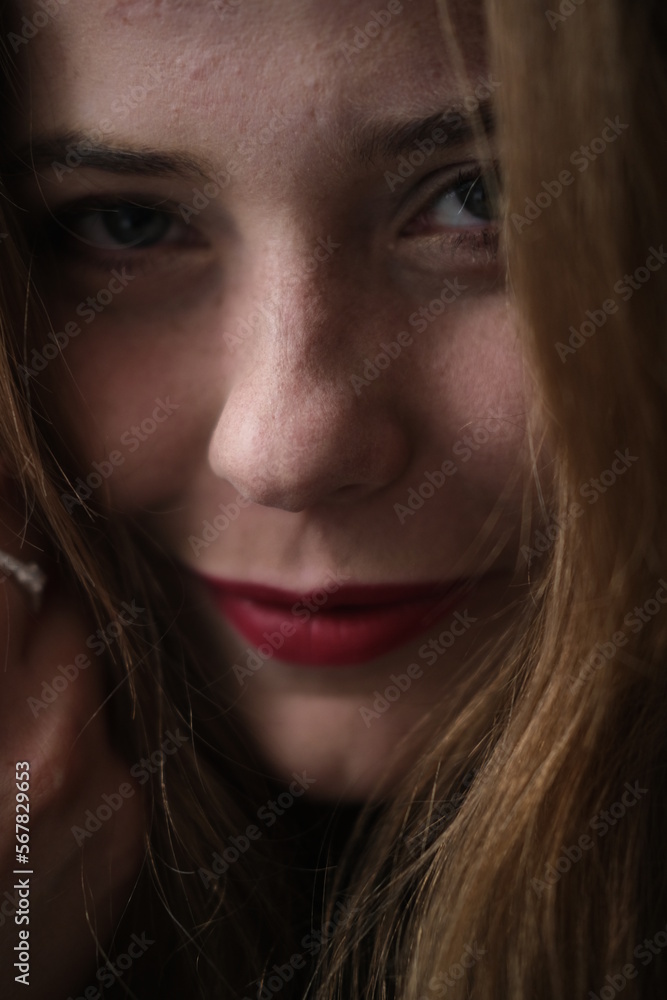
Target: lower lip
[{"x": 308, "y": 635}]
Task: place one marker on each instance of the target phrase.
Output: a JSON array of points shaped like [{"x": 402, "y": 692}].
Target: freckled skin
[{"x": 254, "y": 315}]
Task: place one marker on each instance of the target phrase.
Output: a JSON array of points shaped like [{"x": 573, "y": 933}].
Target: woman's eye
[
  {"x": 129, "y": 226},
  {"x": 122, "y": 226},
  {"x": 466, "y": 204}
]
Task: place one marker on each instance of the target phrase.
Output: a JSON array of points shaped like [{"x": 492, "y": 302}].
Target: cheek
[
  {"x": 139, "y": 402},
  {"x": 473, "y": 384}
]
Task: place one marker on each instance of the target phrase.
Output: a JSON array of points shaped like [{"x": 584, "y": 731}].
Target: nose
[{"x": 293, "y": 433}]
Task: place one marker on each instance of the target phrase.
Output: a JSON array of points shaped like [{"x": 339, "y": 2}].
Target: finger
[
  {"x": 17, "y": 605},
  {"x": 53, "y": 708}
]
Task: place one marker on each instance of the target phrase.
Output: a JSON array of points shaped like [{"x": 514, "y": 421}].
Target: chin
[{"x": 346, "y": 759}]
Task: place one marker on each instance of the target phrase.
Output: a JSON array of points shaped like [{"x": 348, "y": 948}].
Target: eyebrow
[
  {"x": 77, "y": 148},
  {"x": 388, "y": 140},
  {"x": 367, "y": 141}
]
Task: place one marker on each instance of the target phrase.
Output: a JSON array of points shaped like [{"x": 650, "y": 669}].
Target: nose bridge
[
  {"x": 292, "y": 432},
  {"x": 302, "y": 335}
]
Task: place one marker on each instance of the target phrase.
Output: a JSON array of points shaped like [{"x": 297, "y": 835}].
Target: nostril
[
  {"x": 348, "y": 491},
  {"x": 289, "y": 443}
]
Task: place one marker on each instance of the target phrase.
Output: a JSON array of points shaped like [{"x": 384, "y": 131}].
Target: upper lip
[{"x": 358, "y": 595}]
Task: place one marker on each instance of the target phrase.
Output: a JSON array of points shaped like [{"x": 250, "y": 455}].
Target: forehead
[{"x": 187, "y": 66}]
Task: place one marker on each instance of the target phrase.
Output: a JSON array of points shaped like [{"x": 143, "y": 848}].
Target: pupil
[
  {"x": 133, "y": 225},
  {"x": 474, "y": 199}
]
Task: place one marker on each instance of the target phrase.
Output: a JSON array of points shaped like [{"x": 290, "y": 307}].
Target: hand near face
[{"x": 56, "y": 764}]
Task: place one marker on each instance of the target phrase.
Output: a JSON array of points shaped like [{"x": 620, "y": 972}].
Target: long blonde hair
[
  {"x": 476, "y": 879},
  {"x": 547, "y": 880}
]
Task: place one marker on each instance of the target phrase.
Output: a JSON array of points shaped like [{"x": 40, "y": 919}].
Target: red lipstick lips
[{"x": 333, "y": 625}]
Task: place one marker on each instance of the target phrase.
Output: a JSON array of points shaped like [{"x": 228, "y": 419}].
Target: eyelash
[
  {"x": 485, "y": 235},
  {"x": 61, "y": 234},
  {"x": 61, "y": 223}
]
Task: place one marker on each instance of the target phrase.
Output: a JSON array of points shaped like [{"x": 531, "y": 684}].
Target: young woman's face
[{"x": 274, "y": 280}]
